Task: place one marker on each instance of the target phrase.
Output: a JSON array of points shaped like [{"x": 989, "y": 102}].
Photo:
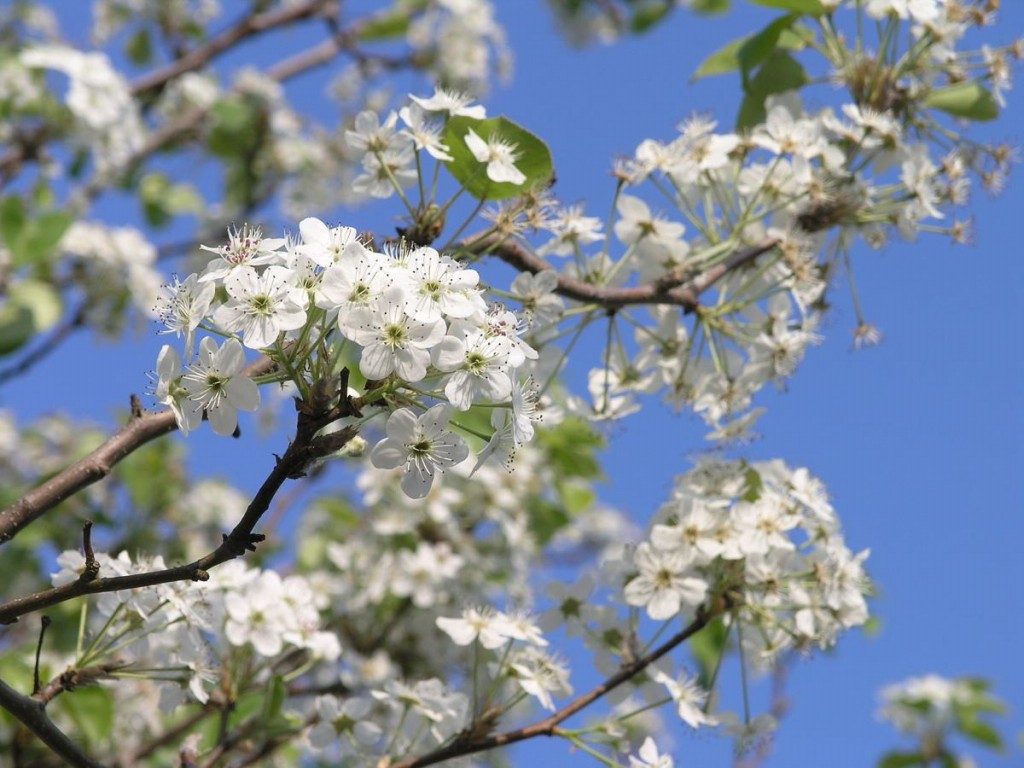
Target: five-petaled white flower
[
  {"x": 392, "y": 341},
  {"x": 170, "y": 391},
  {"x": 261, "y": 306},
  {"x": 665, "y": 582},
  {"x": 421, "y": 445},
  {"x": 500, "y": 156},
  {"x": 184, "y": 306},
  {"x": 214, "y": 383}
]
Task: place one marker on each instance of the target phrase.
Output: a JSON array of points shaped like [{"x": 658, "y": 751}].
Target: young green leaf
[
  {"x": 968, "y": 100},
  {"x": 809, "y": 7}
]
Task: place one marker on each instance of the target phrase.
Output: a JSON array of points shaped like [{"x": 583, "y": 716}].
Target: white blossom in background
[
  {"x": 649, "y": 757},
  {"x": 100, "y": 99},
  {"x": 118, "y": 264}
]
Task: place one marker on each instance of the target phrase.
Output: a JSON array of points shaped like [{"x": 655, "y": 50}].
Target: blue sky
[{"x": 918, "y": 439}]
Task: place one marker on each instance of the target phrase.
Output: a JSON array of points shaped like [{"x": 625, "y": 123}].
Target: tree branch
[
  {"x": 32, "y": 714},
  {"x": 305, "y": 449},
  {"x": 251, "y": 25},
  {"x": 675, "y": 287},
  {"x": 97, "y": 465},
  {"x": 546, "y": 727}
]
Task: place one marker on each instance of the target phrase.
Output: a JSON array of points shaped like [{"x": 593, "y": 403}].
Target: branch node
[
  {"x": 92, "y": 566},
  {"x": 136, "y": 406}
]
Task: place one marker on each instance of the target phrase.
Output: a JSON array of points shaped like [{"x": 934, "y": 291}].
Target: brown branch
[
  {"x": 32, "y": 714},
  {"x": 94, "y": 467},
  {"x": 546, "y": 727},
  {"x": 305, "y": 449},
  {"x": 251, "y": 25},
  {"x": 172, "y": 734},
  {"x": 72, "y": 678},
  {"x": 672, "y": 288}
]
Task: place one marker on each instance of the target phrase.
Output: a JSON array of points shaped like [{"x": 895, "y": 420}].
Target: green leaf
[
  {"x": 39, "y": 239},
  {"x": 710, "y": 6},
  {"x": 727, "y": 58},
  {"x": 534, "y": 157},
  {"x": 708, "y": 646},
  {"x": 872, "y": 627},
  {"x": 238, "y": 126},
  {"x": 139, "y": 48},
  {"x": 753, "y": 486},
  {"x": 12, "y": 219},
  {"x": 152, "y": 476},
  {"x": 759, "y": 47},
  {"x": 901, "y": 760},
  {"x": 648, "y": 15},
  {"x": 32, "y": 306},
  {"x": 780, "y": 73},
  {"x": 92, "y": 710},
  {"x": 391, "y": 24},
  {"x": 571, "y": 447},
  {"x": 275, "y": 695},
  {"x": 968, "y": 100},
  {"x": 385, "y": 27},
  {"x": 809, "y": 7},
  {"x": 545, "y": 519},
  {"x": 576, "y": 498},
  {"x": 980, "y": 732},
  {"x": 161, "y": 200}
]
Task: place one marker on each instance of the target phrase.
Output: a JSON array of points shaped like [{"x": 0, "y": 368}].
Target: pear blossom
[
  {"x": 490, "y": 627},
  {"x": 665, "y": 583},
  {"x": 325, "y": 245},
  {"x": 425, "y": 134},
  {"x": 261, "y": 306},
  {"x": 183, "y": 307},
  {"x": 171, "y": 392},
  {"x": 688, "y": 696},
  {"x": 649, "y": 757},
  {"x": 438, "y": 286},
  {"x": 500, "y": 156},
  {"x": 479, "y": 366},
  {"x": 452, "y": 102},
  {"x": 215, "y": 384},
  {"x": 421, "y": 446},
  {"x": 245, "y": 247},
  {"x": 392, "y": 341}
]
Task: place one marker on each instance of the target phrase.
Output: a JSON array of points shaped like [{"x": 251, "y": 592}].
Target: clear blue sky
[{"x": 919, "y": 439}]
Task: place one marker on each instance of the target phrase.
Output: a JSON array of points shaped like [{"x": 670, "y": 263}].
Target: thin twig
[
  {"x": 547, "y": 726},
  {"x": 72, "y": 678},
  {"x": 251, "y": 25},
  {"x": 44, "y": 622},
  {"x": 669, "y": 289},
  {"x": 302, "y": 451},
  {"x": 95, "y": 466}
]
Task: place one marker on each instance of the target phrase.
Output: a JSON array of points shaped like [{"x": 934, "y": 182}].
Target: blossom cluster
[
  {"x": 188, "y": 634},
  {"x": 417, "y": 320},
  {"x": 764, "y": 538}
]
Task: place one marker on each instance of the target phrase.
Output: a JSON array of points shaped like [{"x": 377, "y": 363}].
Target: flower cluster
[
  {"x": 764, "y": 538},
  {"x": 188, "y": 634},
  {"x": 417, "y": 319},
  {"x": 107, "y": 115}
]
